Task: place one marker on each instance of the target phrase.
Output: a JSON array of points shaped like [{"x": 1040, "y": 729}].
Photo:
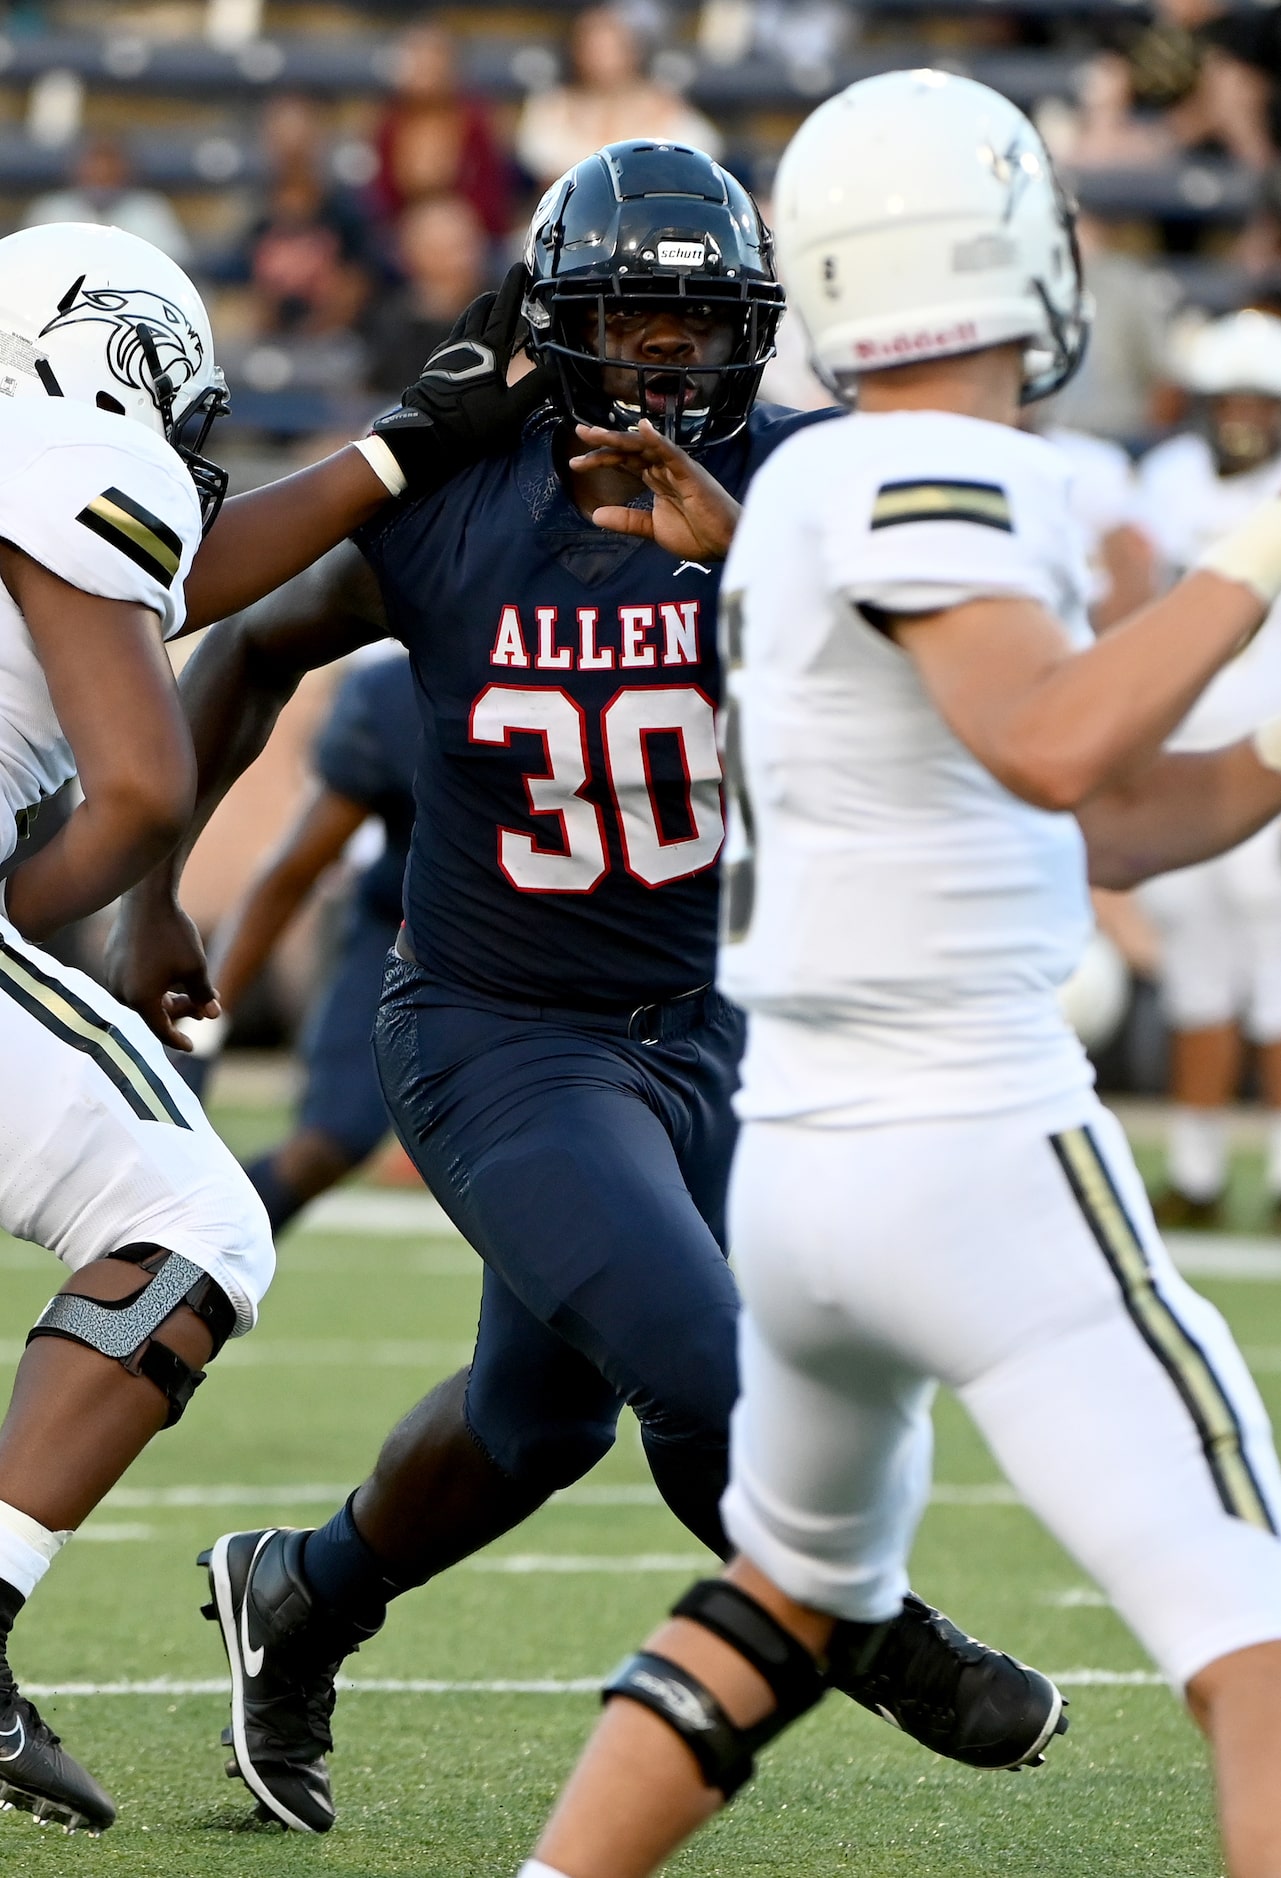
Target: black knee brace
[
  {"x": 723, "y": 1750},
  {"x": 125, "y": 1327}
]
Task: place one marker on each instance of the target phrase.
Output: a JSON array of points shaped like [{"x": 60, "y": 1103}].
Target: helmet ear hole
[{"x": 105, "y": 402}]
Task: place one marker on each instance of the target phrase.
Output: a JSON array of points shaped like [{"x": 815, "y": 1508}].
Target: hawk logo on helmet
[{"x": 178, "y": 345}]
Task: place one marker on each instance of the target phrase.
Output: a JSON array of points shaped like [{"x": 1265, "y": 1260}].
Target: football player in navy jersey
[{"x": 554, "y": 1056}]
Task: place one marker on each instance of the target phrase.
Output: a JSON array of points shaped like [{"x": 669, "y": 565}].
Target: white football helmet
[
  {"x": 918, "y": 215},
  {"x": 102, "y": 317},
  {"x": 1239, "y": 353}
]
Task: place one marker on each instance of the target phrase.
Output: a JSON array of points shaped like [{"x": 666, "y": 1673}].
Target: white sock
[
  {"x": 1197, "y": 1155},
  {"x": 27, "y": 1549},
  {"x": 534, "y": 1868}
]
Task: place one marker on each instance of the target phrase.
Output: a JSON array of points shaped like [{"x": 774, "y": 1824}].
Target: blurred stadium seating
[{"x": 182, "y": 85}]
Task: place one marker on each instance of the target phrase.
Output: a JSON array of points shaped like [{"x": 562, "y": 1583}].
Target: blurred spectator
[
  {"x": 806, "y": 35},
  {"x": 1104, "y": 131},
  {"x": 101, "y": 190},
  {"x": 1166, "y": 59},
  {"x": 1208, "y": 71},
  {"x": 1111, "y": 395},
  {"x": 434, "y": 141},
  {"x": 608, "y": 98},
  {"x": 305, "y": 255},
  {"x": 444, "y": 254},
  {"x": 1241, "y": 72}
]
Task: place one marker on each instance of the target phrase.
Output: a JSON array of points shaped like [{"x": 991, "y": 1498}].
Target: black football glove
[{"x": 461, "y": 407}]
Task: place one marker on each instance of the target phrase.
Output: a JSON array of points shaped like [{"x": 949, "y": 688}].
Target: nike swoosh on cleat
[
  {"x": 253, "y": 1659},
  {"x": 7, "y": 1734}
]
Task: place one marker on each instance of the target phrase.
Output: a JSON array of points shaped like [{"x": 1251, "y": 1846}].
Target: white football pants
[
  {"x": 1015, "y": 1259},
  {"x": 102, "y": 1145}
]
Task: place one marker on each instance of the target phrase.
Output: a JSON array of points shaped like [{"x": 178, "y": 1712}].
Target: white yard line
[
  {"x": 321, "y": 1353},
  {"x": 1225, "y": 1255},
  {"x": 202, "y": 1494},
  {"x": 523, "y": 1564},
  {"x": 980, "y": 1493},
  {"x": 342, "y": 1353},
  {"x": 577, "y": 1685},
  {"x": 365, "y": 1209},
  {"x": 289, "y": 1495}
]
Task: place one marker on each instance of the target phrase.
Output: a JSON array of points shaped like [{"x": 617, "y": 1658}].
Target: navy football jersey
[
  {"x": 569, "y": 812},
  {"x": 366, "y": 751}
]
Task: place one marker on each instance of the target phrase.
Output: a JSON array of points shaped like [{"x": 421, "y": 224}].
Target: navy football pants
[
  {"x": 341, "y": 1095},
  {"x": 589, "y": 1172}
]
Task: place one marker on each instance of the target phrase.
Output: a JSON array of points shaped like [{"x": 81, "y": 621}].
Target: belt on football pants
[{"x": 665, "y": 1021}]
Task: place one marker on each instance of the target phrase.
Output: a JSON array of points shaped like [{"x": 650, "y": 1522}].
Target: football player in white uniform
[
  {"x": 107, "y": 389},
  {"x": 1220, "y": 923},
  {"x": 931, "y": 746}
]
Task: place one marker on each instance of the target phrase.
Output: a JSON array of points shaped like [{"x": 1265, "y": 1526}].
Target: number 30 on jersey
[{"x": 579, "y": 859}]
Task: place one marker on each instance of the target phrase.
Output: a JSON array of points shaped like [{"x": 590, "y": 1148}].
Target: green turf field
[{"x": 451, "y": 1783}]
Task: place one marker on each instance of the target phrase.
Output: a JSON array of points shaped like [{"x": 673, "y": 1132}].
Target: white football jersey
[
  {"x": 909, "y": 911},
  {"x": 1187, "y": 505},
  {"x": 108, "y": 507}
]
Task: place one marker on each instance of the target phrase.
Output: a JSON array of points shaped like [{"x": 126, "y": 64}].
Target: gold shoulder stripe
[
  {"x": 985, "y": 503},
  {"x": 1189, "y": 1368},
  {"x": 139, "y": 535}
]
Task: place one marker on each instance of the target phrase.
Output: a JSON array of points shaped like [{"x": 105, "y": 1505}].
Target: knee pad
[
  {"x": 125, "y": 1328},
  {"x": 724, "y": 1751}
]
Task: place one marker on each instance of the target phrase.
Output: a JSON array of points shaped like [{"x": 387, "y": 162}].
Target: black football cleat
[
  {"x": 952, "y": 1693},
  {"x": 284, "y": 1654},
  {"x": 38, "y": 1776}
]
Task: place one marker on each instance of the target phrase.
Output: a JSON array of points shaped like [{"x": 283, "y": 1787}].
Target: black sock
[
  {"x": 11, "y": 1602},
  {"x": 346, "y": 1573}
]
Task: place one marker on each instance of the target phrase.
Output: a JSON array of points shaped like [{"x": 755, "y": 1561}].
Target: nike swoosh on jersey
[
  {"x": 695, "y": 564},
  {"x": 7, "y": 1734}
]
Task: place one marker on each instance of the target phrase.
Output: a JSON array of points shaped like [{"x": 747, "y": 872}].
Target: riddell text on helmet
[{"x": 903, "y": 345}]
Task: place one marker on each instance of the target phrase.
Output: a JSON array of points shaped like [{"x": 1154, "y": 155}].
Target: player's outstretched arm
[
  {"x": 1055, "y": 724},
  {"x": 113, "y": 692},
  {"x": 1186, "y": 807},
  {"x": 460, "y": 408},
  {"x": 262, "y": 539},
  {"x": 312, "y": 843},
  {"x": 693, "y": 517},
  {"x": 233, "y": 689}
]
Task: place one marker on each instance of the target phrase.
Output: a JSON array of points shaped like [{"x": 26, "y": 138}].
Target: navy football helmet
[{"x": 640, "y": 225}]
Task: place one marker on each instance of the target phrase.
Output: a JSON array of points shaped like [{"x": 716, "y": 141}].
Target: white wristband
[
  {"x": 1267, "y": 743},
  {"x": 384, "y": 465},
  {"x": 1251, "y": 553}
]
